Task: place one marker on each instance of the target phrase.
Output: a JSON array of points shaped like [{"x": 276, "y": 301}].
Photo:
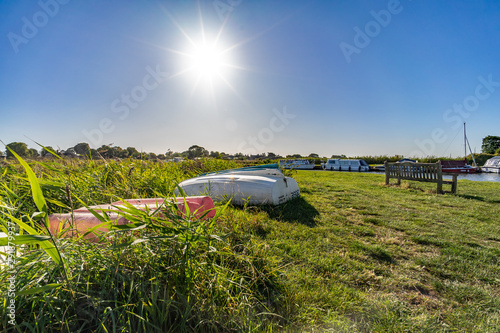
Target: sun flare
[
  {"x": 207, "y": 61},
  {"x": 207, "y": 65}
]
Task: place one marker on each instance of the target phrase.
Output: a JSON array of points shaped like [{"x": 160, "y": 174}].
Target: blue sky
[{"x": 326, "y": 77}]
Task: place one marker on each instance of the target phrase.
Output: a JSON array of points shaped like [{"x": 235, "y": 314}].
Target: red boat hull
[
  {"x": 458, "y": 166},
  {"x": 83, "y": 220},
  {"x": 460, "y": 170}
]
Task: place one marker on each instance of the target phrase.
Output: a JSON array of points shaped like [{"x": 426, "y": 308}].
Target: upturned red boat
[{"x": 83, "y": 220}]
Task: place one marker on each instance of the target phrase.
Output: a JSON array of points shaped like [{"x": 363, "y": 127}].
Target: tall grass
[{"x": 162, "y": 273}]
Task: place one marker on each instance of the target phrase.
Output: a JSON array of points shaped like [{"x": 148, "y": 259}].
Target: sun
[
  {"x": 207, "y": 65},
  {"x": 207, "y": 61}
]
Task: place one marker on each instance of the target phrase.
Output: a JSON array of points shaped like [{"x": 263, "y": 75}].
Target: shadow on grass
[
  {"x": 295, "y": 211},
  {"x": 478, "y": 198},
  {"x": 375, "y": 251},
  {"x": 473, "y": 197}
]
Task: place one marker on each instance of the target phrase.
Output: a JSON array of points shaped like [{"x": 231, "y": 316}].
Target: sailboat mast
[{"x": 465, "y": 143}]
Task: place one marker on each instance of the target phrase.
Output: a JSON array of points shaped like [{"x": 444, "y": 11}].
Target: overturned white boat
[{"x": 255, "y": 186}]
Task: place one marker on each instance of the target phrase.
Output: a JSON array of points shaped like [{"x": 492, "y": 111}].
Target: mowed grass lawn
[{"x": 361, "y": 256}]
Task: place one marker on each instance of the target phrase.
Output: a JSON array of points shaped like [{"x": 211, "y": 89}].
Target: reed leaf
[
  {"x": 35, "y": 185},
  {"x": 36, "y": 290},
  {"x": 23, "y": 239}
]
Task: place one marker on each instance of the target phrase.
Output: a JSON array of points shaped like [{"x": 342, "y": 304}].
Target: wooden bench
[{"x": 422, "y": 172}]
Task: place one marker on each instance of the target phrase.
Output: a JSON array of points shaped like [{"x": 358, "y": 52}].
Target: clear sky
[{"x": 252, "y": 76}]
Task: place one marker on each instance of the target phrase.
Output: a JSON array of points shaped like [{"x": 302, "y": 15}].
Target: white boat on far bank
[
  {"x": 492, "y": 165},
  {"x": 298, "y": 164},
  {"x": 382, "y": 166},
  {"x": 345, "y": 165}
]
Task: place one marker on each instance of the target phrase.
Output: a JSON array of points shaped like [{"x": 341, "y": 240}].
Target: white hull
[
  {"x": 300, "y": 167},
  {"x": 345, "y": 165},
  {"x": 492, "y": 165},
  {"x": 244, "y": 187},
  {"x": 490, "y": 170},
  {"x": 358, "y": 169},
  {"x": 296, "y": 164}
]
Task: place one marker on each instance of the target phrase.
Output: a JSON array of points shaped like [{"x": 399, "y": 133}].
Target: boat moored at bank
[
  {"x": 458, "y": 166},
  {"x": 492, "y": 165},
  {"x": 461, "y": 166},
  {"x": 382, "y": 166},
  {"x": 345, "y": 165},
  {"x": 298, "y": 164}
]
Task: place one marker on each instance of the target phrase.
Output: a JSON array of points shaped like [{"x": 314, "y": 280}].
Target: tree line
[
  {"x": 490, "y": 145},
  {"x": 109, "y": 151},
  {"x": 83, "y": 149}
]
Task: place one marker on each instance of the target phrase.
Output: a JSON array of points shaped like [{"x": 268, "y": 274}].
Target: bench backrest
[{"x": 430, "y": 172}]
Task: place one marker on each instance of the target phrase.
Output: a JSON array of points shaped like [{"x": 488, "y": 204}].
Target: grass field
[
  {"x": 373, "y": 258},
  {"x": 350, "y": 255}
]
